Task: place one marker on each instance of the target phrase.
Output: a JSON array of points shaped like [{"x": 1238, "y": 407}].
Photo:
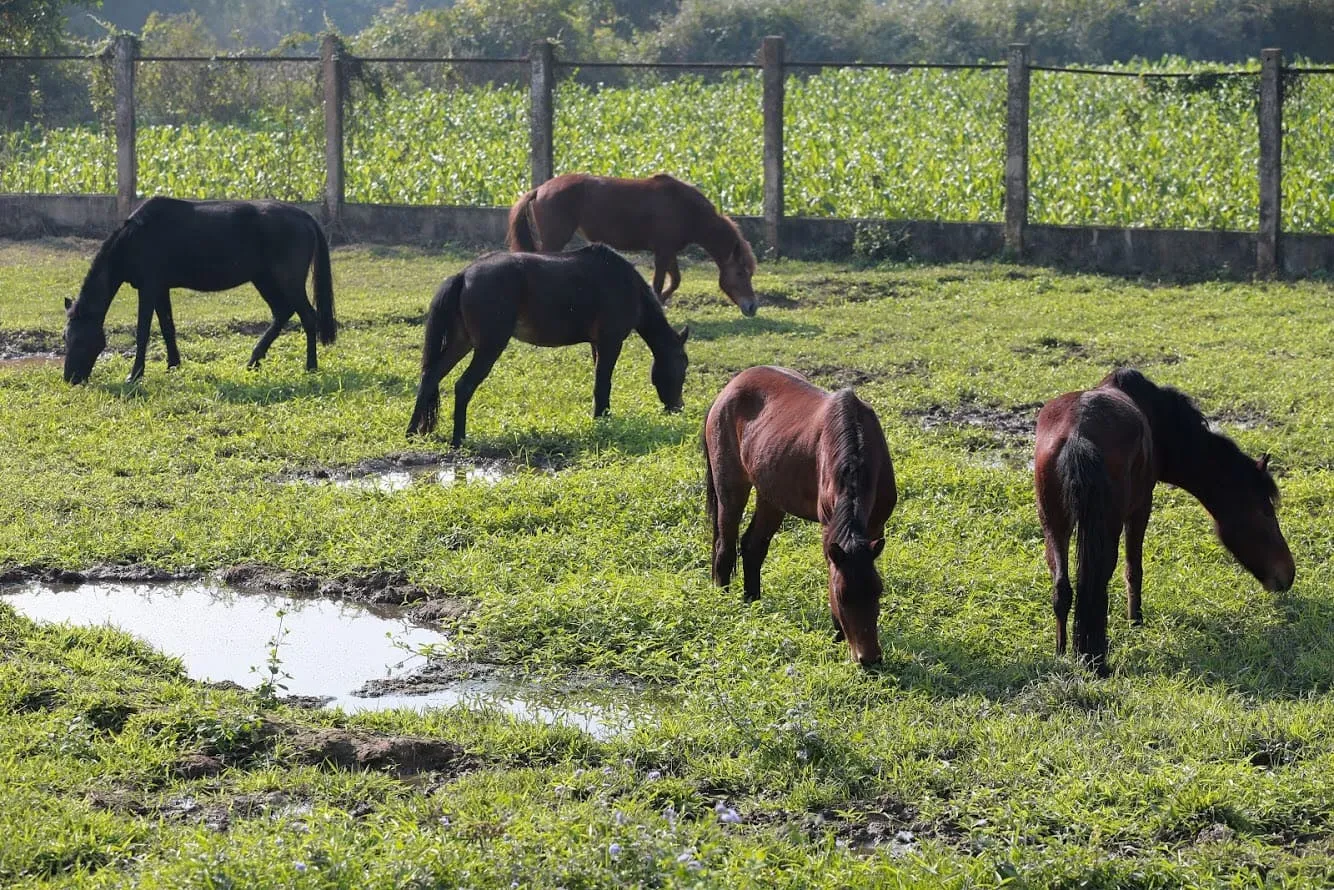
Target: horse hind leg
[
  {"x": 729, "y": 505},
  {"x": 1135, "y": 527},
  {"x": 483, "y": 360},
  {"x": 1057, "y": 548},
  {"x": 426, "y": 408},
  {"x": 168, "y": 325}
]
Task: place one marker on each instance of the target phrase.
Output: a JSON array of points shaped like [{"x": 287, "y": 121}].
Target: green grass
[
  {"x": 916, "y": 144},
  {"x": 1207, "y": 760}
]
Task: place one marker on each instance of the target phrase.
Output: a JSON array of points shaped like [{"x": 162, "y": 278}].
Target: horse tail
[
  {"x": 1086, "y": 489},
  {"x": 520, "y": 236},
  {"x": 439, "y": 322},
  {"x": 324, "y": 298},
  {"x": 710, "y": 487}
]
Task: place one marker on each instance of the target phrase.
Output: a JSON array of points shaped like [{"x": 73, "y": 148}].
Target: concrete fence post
[
  {"x": 1016, "y": 150},
  {"x": 123, "y": 53},
  {"x": 335, "y": 88},
  {"x": 771, "y": 61},
  {"x": 542, "y": 113},
  {"x": 1271, "y": 162}
]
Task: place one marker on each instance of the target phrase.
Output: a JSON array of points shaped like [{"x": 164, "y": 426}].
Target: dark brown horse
[
  {"x": 592, "y": 295},
  {"x": 1099, "y": 454},
  {"x": 205, "y": 246},
  {"x": 818, "y": 455},
  {"x": 661, "y": 214}
]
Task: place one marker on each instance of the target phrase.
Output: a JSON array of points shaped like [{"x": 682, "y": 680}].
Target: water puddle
[
  {"x": 33, "y": 362},
  {"x": 330, "y": 649},
  {"x": 401, "y": 472}
]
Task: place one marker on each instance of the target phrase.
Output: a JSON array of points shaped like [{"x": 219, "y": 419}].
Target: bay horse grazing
[
  {"x": 660, "y": 213},
  {"x": 1099, "y": 454},
  {"x": 818, "y": 455},
  {"x": 205, "y": 246},
  {"x": 592, "y": 295}
]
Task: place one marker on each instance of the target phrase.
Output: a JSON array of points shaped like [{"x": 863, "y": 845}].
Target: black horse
[
  {"x": 205, "y": 246},
  {"x": 592, "y": 295}
]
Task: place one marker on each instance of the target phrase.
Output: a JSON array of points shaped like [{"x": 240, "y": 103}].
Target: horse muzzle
[
  {"x": 1281, "y": 580},
  {"x": 749, "y": 308}
]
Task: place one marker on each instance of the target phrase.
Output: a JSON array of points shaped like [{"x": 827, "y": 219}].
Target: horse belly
[{"x": 785, "y": 480}]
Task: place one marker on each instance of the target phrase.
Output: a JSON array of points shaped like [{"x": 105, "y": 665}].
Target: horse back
[
  {"x": 659, "y": 213},
  {"x": 1113, "y": 424},
  {"x": 764, "y": 429},
  {"x": 217, "y": 245}
]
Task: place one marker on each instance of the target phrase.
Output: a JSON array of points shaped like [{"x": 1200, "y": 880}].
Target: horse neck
[
  {"x": 653, "y": 326},
  {"x": 843, "y": 463},
  {"x": 1202, "y": 470},
  {"x": 94, "y": 296},
  {"x": 718, "y": 238}
]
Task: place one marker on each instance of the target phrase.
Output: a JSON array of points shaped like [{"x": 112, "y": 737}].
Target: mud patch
[
  {"x": 1054, "y": 349},
  {"x": 1007, "y": 426},
  {"x": 837, "y": 377},
  {"x": 19, "y": 344},
  {"x": 599, "y": 705},
  {"x": 1241, "y": 418},
  {"x": 887, "y": 825},
  {"x": 399, "y": 472},
  {"x": 133, "y": 573},
  {"x": 376, "y": 588}
]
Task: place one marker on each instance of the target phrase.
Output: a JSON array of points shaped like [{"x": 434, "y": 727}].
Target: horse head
[
  {"x": 669, "y": 370},
  {"x": 84, "y": 341},
  {"x": 734, "y": 276},
  {"x": 854, "y": 597},
  {"x": 1247, "y": 524}
]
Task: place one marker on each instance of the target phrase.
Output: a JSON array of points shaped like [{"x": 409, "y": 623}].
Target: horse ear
[
  {"x": 68, "y": 303},
  {"x": 683, "y": 335},
  {"x": 836, "y": 553},
  {"x": 877, "y": 547},
  {"x": 1263, "y": 462}
]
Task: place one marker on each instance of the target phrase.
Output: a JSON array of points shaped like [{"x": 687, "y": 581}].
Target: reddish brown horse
[
  {"x": 818, "y": 455},
  {"x": 1099, "y": 453},
  {"x": 661, "y": 214}
]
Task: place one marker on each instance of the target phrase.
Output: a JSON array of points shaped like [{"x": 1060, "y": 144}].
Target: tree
[{"x": 36, "y": 26}]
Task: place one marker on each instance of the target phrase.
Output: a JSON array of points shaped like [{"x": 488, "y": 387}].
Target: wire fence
[{"x": 890, "y": 140}]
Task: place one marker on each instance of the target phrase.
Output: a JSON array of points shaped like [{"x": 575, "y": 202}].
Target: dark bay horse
[
  {"x": 1099, "y": 454},
  {"x": 205, "y": 246},
  {"x": 592, "y": 295},
  {"x": 660, "y": 213},
  {"x": 818, "y": 455}
]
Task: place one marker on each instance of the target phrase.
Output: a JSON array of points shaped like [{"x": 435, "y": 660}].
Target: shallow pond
[{"x": 330, "y": 649}]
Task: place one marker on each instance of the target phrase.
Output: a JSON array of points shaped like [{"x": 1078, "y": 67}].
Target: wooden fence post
[
  {"x": 124, "y": 51},
  {"x": 335, "y": 82},
  {"x": 541, "y": 114},
  {"x": 1271, "y": 162},
  {"x": 1016, "y": 150},
  {"x": 771, "y": 58}
]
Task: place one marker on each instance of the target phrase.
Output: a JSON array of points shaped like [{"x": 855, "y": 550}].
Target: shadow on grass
[
  {"x": 1283, "y": 658},
  {"x": 631, "y": 434},
  {"x": 305, "y": 385},
  {"x": 749, "y": 327}
]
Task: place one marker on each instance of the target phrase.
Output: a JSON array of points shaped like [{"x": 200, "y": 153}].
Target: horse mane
[
  {"x": 848, "y": 450},
  {"x": 747, "y": 254},
  {"x": 105, "y": 251},
  {"x": 1180, "y": 429}
]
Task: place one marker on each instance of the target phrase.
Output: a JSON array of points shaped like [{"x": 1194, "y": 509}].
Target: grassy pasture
[{"x": 976, "y": 756}]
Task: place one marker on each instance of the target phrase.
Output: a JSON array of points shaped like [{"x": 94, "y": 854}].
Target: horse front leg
[
  {"x": 755, "y": 543},
  {"x": 148, "y": 298},
  {"x": 605, "y": 356},
  {"x": 1135, "y": 527},
  {"x": 168, "y": 325}
]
